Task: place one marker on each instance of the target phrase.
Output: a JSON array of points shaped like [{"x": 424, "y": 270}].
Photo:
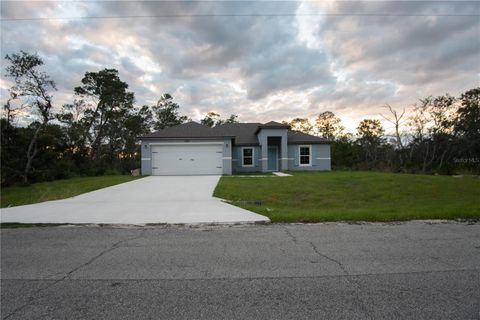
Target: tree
[
  {"x": 467, "y": 123},
  {"x": 32, "y": 86},
  {"x": 442, "y": 110},
  {"x": 370, "y": 137},
  {"x": 432, "y": 128},
  {"x": 166, "y": 113},
  {"x": 397, "y": 120},
  {"x": 13, "y": 144},
  {"x": 136, "y": 123},
  {"x": 10, "y": 108},
  {"x": 328, "y": 125},
  {"x": 301, "y": 125},
  {"x": 467, "y": 126},
  {"x": 104, "y": 99},
  {"x": 370, "y": 129},
  {"x": 418, "y": 124},
  {"x": 345, "y": 152},
  {"x": 77, "y": 149},
  {"x": 212, "y": 119},
  {"x": 50, "y": 161},
  {"x": 233, "y": 118}
]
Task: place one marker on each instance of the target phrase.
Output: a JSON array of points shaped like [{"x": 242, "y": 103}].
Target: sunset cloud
[{"x": 271, "y": 60}]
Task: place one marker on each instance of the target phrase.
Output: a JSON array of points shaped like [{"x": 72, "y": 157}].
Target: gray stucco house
[{"x": 195, "y": 149}]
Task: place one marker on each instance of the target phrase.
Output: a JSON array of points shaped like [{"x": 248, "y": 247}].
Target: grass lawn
[
  {"x": 59, "y": 189},
  {"x": 356, "y": 196}
]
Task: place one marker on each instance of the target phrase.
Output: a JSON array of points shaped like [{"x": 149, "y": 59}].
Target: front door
[{"x": 272, "y": 158}]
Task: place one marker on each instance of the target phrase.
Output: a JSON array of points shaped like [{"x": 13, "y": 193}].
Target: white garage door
[{"x": 187, "y": 159}]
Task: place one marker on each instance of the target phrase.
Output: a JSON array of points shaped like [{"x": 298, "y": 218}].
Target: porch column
[
  {"x": 284, "y": 155},
  {"x": 264, "y": 153}
]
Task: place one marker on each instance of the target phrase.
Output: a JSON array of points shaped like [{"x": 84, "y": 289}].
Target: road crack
[
  {"x": 315, "y": 249},
  {"x": 114, "y": 246},
  {"x": 448, "y": 264},
  {"x": 39, "y": 293},
  {"x": 294, "y": 239},
  {"x": 357, "y": 295}
]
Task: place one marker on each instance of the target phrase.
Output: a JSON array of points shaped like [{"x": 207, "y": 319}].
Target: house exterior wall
[
  {"x": 320, "y": 157},
  {"x": 237, "y": 159},
  {"x": 263, "y": 135},
  {"x": 232, "y": 156},
  {"x": 146, "y": 152}
]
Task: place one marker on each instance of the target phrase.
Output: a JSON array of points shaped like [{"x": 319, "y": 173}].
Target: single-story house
[{"x": 195, "y": 149}]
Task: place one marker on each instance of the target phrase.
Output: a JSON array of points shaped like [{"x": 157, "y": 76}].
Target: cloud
[{"x": 222, "y": 56}]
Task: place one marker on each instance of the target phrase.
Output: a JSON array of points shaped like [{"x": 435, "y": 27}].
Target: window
[
  {"x": 247, "y": 156},
  {"x": 304, "y": 155}
]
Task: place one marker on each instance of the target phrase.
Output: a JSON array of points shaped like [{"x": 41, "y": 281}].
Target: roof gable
[{"x": 275, "y": 124}]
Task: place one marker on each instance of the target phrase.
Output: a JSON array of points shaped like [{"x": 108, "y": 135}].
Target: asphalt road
[{"x": 414, "y": 270}]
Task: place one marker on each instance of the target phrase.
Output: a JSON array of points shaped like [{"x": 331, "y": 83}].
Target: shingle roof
[
  {"x": 186, "y": 130},
  {"x": 243, "y": 133},
  {"x": 295, "y": 137}
]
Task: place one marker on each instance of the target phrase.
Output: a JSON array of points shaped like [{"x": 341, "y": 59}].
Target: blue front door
[{"x": 272, "y": 159}]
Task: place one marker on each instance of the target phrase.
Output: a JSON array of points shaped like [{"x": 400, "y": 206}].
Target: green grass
[
  {"x": 355, "y": 196},
  {"x": 15, "y": 225},
  {"x": 59, "y": 189}
]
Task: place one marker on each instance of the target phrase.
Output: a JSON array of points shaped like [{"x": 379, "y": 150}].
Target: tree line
[
  {"x": 441, "y": 135},
  {"x": 98, "y": 132}
]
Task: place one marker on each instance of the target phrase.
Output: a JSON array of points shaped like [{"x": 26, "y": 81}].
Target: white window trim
[
  {"x": 253, "y": 158},
  {"x": 309, "y": 155}
]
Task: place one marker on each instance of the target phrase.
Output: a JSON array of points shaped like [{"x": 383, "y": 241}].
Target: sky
[{"x": 261, "y": 60}]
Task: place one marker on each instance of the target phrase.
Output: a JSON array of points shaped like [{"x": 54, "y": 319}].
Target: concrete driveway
[{"x": 155, "y": 199}]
